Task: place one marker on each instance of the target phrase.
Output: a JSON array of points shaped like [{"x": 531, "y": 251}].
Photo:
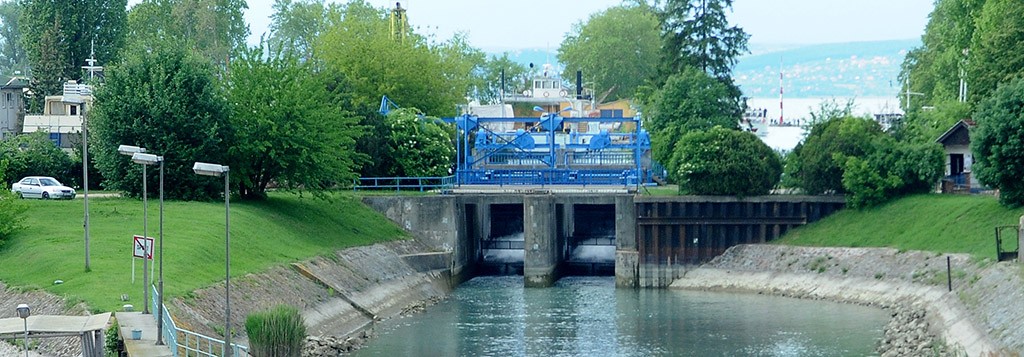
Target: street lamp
[
  {"x": 73, "y": 95},
  {"x": 207, "y": 169},
  {"x": 146, "y": 160},
  {"x": 131, "y": 151},
  {"x": 24, "y": 312}
]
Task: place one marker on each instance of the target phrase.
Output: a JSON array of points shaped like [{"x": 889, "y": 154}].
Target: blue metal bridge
[{"x": 552, "y": 150}]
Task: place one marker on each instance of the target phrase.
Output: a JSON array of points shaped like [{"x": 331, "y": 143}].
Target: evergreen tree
[{"x": 696, "y": 33}]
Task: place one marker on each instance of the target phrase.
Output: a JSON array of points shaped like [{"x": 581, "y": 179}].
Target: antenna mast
[
  {"x": 781, "y": 91},
  {"x": 92, "y": 67}
]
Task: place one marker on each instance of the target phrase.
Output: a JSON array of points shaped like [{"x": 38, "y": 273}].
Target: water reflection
[{"x": 587, "y": 316}]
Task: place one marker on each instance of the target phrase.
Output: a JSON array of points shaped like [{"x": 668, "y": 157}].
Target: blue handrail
[
  {"x": 195, "y": 344},
  {"x": 421, "y": 184}
]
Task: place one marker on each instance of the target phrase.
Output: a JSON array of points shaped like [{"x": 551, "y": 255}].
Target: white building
[{"x": 62, "y": 115}]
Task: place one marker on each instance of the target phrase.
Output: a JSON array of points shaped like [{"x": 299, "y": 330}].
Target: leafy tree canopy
[
  {"x": 297, "y": 24},
  {"x": 293, "y": 131},
  {"x": 996, "y": 142},
  {"x": 58, "y": 37},
  {"x": 164, "y": 100},
  {"x": 35, "y": 155},
  {"x": 617, "y": 49},
  {"x": 413, "y": 72},
  {"x": 723, "y": 161},
  {"x": 689, "y": 101},
  {"x": 816, "y": 165},
  {"x": 12, "y": 53},
  {"x": 997, "y": 47},
  {"x": 215, "y": 29}
]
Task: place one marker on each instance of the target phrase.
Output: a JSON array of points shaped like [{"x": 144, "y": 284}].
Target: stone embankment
[
  {"x": 980, "y": 317},
  {"x": 341, "y": 296}
]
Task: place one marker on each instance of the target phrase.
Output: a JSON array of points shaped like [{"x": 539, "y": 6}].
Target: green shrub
[
  {"x": 724, "y": 161},
  {"x": 278, "y": 332},
  {"x": 11, "y": 210}
]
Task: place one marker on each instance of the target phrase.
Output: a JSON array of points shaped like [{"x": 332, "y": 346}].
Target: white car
[{"x": 42, "y": 187}]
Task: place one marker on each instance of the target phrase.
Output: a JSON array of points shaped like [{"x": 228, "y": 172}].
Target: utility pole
[
  {"x": 908, "y": 94},
  {"x": 963, "y": 77}
]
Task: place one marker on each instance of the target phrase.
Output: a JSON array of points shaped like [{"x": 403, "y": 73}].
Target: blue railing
[
  {"x": 420, "y": 184},
  {"x": 193, "y": 344},
  {"x": 550, "y": 177}
]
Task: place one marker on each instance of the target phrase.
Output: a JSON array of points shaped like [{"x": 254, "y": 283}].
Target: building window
[{"x": 74, "y": 110}]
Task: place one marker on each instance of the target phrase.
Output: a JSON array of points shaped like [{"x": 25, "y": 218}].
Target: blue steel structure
[{"x": 542, "y": 152}]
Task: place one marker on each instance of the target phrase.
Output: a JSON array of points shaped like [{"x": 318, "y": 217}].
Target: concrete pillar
[
  {"x": 542, "y": 251},
  {"x": 627, "y": 260}
]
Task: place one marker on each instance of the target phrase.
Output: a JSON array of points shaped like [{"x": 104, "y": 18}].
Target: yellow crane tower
[{"x": 399, "y": 23}]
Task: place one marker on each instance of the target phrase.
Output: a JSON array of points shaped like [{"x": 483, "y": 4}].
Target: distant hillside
[
  {"x": 842, "y": 70},
  {"x": 856, "y": 69}
]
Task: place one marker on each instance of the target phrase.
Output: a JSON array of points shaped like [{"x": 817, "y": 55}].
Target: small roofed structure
[
  {"x": 89, "y": 328},
  {"x": 956, "y": 141}
]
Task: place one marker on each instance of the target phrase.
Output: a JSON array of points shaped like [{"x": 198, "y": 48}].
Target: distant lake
[{"x": 801, "y": 108}]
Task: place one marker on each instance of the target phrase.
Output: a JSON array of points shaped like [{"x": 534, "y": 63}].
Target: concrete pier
[{"x": 542, "y": 256}]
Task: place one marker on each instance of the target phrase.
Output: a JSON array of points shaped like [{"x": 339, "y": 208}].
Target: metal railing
[
  {"x": 193, "y": 344},
  {"x": 420, "y": 184}
]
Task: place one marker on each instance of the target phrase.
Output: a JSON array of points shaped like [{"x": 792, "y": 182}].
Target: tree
[
  {"x": 488, "y": 91},
  {"x": 817, "y": 164},
  {"x": 35, "y": 155},
  {"x": 891, "y": 169},
  {"x": 412, "y": 72},
  {"x": 997, "y": 47},
  {"x": 995, "y": 141},
  {"x": 695, "y": 33},
  {"x": 934, "y": 68},
  {"x": 689, "y": 101},
  {"x": 215, "y": 29},
  {"x": 165, "y": 100},
  {"x": 723, "y": 161},
  {"x": 417, "y": 146},
  {"x": 297, "y": 24},
  {"x": 58, "y": 36},
  {"x": 617, "y": 49},
  {"x": 293, "y": 131},
  {"x": 12, "y": 54}
]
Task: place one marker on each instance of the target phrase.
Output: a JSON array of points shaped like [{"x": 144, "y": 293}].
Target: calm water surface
[{"x": 587, "y": 316}]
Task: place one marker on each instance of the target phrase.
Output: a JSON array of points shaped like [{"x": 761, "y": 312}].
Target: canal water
[{"x": 588, "y": 316}]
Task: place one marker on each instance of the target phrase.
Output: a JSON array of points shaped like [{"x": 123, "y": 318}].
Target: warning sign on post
[{"x": 142, "y": 245}]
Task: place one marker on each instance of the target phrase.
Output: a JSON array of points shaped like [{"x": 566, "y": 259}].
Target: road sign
[{"x": 141, "y": 244}]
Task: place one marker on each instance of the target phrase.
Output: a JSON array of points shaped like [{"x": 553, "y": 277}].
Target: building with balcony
[{"x": 62, "y": 115}]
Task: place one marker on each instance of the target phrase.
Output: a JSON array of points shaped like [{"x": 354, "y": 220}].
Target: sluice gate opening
[
  {"x": 590, "y": 247},
  {"x": 501, "y": 250}
]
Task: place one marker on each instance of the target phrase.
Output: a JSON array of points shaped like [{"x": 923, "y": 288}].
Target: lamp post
[
  {"x": 24, "y": 312},
  {"x": 146, "y": 160},
  {"x": 131, "y": 151},
  {"x": 207, "y": 169},
  {"x": 73, "y": 95}
]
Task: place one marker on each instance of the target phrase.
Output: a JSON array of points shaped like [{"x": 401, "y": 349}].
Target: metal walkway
[{"x": 146, "y": 345}]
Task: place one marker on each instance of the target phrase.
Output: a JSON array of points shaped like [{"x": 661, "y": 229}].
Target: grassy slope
[
  {"x": 283, "y": 229},
  {"x": 940, "y": 223}
]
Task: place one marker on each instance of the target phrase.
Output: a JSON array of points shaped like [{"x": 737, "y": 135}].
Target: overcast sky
[{"x": 510, "y": 24}]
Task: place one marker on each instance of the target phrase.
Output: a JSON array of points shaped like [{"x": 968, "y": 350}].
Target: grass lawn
[
  {"x": 932, "y": 222},
  {"x": 284, "y": 228}
]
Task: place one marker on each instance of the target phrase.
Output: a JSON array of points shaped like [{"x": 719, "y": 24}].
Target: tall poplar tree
[
  {"x": 73, "y": 28},
  {"x": 12, "y": 53}
]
